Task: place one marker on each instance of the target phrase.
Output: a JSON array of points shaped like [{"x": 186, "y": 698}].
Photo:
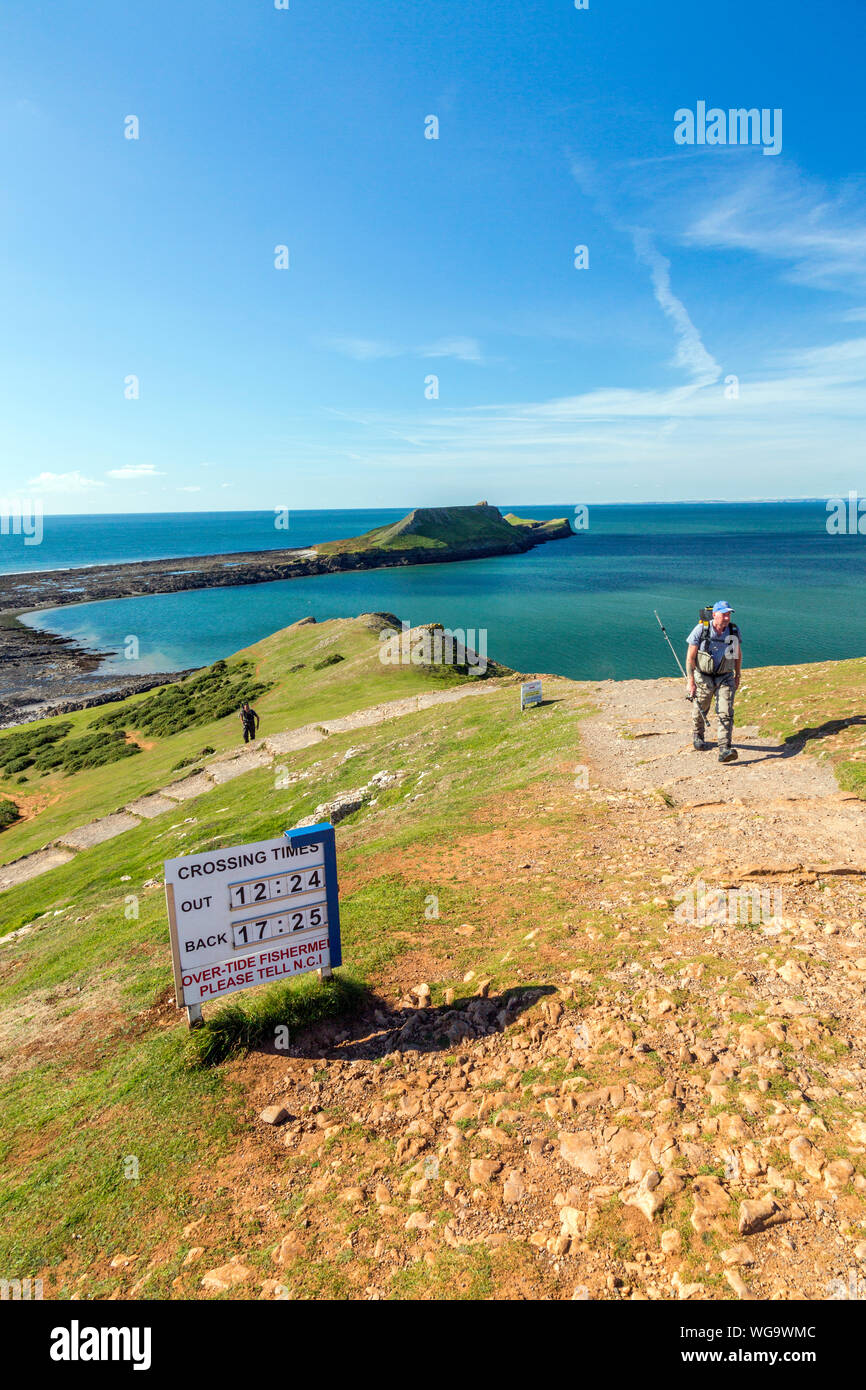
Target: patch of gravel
[{"x": 641, "y": 740}]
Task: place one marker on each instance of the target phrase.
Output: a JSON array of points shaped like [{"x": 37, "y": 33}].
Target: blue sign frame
[
  {"x": 324, "y": 834},
  {"x": 530, "y": 694}
]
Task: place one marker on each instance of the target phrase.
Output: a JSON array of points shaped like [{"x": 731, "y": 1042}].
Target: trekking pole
[{"x": 673, "y": 650}]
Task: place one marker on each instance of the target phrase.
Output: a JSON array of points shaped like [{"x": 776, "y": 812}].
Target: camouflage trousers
[{"x": 724, "y": 689}]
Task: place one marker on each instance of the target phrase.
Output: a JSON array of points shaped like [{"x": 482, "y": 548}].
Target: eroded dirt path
[
  {"x": 655, "y": 1104},
  {"x": 568, "y": 1086},
  {"x": 776, "y": 803}
]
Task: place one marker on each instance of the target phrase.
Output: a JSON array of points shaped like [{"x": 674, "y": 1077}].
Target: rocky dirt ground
[{"x": 668, "y": 1103}]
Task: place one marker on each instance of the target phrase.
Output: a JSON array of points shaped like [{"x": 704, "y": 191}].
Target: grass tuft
[{"x": 252, "y": 1022}]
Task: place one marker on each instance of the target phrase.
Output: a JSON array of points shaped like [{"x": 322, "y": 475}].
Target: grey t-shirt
[{"x": 721, "y": 644}]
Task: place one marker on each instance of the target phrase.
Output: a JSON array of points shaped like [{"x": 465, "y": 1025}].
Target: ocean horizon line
[{"x": 415, "y": 506}]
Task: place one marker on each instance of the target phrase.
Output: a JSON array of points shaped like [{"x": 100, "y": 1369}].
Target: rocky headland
[{"x": 47, "y": 674}]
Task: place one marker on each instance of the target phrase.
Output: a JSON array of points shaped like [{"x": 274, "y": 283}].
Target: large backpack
[{"x": 705, "y": 659}]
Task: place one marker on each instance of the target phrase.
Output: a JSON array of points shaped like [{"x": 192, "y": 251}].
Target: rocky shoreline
[
  {"x": 46, "y": 674},
  {"x": 43, "y": 674},
  {"x": 38, "y": 590}
]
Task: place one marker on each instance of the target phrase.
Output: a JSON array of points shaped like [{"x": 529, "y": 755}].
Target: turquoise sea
[{"x": 582, "y": 607}]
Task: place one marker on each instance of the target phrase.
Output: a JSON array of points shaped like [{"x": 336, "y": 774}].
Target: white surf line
[{"x": 221, "y": 769}]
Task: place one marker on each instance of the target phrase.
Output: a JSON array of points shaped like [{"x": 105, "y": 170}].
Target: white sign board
[
  {"x": 530, "y": 693},
  {"x": 253, "y": 914}
]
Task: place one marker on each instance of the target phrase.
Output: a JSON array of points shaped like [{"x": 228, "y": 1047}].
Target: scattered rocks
[
  {"x": 711, "y": 1202},
  {"x": 226, "y": 1276},
  {"x": 646, "y": 1195},
  {"x": 483, "y": 1170},
  {"x": 418, "y": 1221},
  {"x": 755, "y": 1215},
  {"x": 740, "y": 1288},
  {"x": 838, "y": 1174},
  {"x": 579, "y": 1150},
  {"x": 513, "y": 1189},
  {"x": 275, "y": 1115},
  {"x": 290, "y": 1248},
  {"x": 738, "y": 1255}
]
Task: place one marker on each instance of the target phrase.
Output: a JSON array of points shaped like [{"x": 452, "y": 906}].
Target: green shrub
[
  {"x": 328, "y": 661},
  {"x": 20, "y": 749},
  {"x": 188, "y": 762},
  {"x": 213, "y": 694},
  {"x": 95, "y": 750},
  {"x": 19, "y": 764},
  {"x": 9, "y": 813}
]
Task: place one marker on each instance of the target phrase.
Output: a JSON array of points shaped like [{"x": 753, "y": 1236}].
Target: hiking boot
[
  {"x": 699, "y": 744},
  {"x": 727, "y": 755}
]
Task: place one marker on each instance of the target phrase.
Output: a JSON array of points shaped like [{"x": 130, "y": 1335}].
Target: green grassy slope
[
  {"x": 300, "y": 694},
  {"x": 94, "y": 1060},
  {"x": 96, "y": 1068},
  {"x": 552, "y": 528},
  {"x": 819, "y": 707},
  {"x": 436, "y": 528}
]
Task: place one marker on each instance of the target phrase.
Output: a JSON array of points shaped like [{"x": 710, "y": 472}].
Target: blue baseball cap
[{"x": 722, "y": 607}]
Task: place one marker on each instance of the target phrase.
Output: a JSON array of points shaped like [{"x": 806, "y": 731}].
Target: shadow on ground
[
  {"x": 799, "y": 740},
  {"x": 796, "y": 744},
  {"x": 377, "y": 1029}
]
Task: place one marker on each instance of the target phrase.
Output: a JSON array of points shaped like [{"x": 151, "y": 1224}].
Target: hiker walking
[
  {"x": 713, "y": 663},
  {"x": 249, "y": 720}
]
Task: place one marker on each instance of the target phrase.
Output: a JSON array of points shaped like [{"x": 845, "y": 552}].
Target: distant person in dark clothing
[{"x": 250, "y": 721}]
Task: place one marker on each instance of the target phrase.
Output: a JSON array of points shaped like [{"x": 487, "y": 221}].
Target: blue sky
[{"x": 412, "y": 257}]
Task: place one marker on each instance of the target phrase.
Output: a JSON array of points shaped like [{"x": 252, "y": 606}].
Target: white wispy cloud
[
  {"x": 188, "y": 489},
  {"x": 832, "y": 364},
  {"x": 794, "y": 414},
  {"x": 691, "y": 353},
  {"x": 797, "y": 413},
  {"x": 801, "y": 406},
  {"x": 363, "y": 349},
  {"x": 464, "y": 349},
  {"x": 63, "y": 482},
  {"x": 136, "y": 470},
  {"x": 818, "y": 233},
  {"x": 717, "y": 199}
]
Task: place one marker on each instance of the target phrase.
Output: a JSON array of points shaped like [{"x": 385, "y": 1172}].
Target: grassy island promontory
[
  {"x": 40, "y": 672},
  {"x": 426, "y": 535},
  {"x": 449, "y": 533}
]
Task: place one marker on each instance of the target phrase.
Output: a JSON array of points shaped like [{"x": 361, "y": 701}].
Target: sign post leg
[
  {"x": 325, "y": 973},
  {"x": 194, "y": 1016}
]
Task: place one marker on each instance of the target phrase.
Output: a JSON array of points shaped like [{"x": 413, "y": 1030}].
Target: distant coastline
[
  {"x": 425, "y": 536},
  {"x": 574, "y": 608},
  {"x": 43, "y": 673}
]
